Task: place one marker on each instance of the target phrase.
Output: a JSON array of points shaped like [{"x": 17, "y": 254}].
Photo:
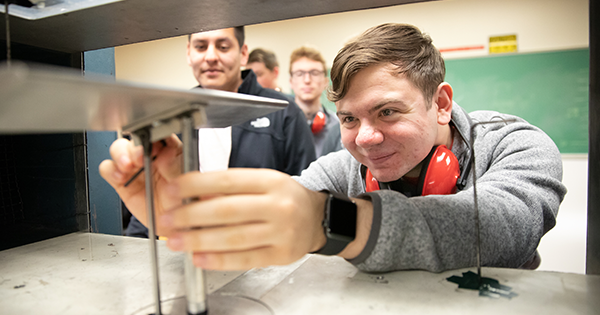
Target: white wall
[
  {"x": 540, "y": 25},
  {"x": 563, "y": 248},
  {"x": 161, "y": 62}
]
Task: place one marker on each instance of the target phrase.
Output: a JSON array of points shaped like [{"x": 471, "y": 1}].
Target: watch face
[{"x": 342, "y": 219}]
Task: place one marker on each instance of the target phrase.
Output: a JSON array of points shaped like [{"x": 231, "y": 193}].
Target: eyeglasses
[{"x": 313, "y": 74}]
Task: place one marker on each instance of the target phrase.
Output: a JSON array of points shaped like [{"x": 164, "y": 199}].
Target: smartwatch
[{"x": 339, "y": 223}]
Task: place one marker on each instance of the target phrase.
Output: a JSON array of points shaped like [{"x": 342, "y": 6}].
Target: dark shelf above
[{"x": 133, "y": 21}]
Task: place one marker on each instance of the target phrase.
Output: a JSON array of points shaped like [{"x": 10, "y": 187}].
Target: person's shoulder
[
  {"x": 490, "y": 115},
  {"x": 493, "y": 119}
]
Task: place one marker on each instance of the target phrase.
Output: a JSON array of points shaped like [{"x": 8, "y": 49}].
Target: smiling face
[
  {"x": 385, "y": 123},
  {"x": 216, "y": 59}
]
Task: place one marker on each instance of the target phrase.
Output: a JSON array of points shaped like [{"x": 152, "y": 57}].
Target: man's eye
[
  {"x": 200, "y": 47},
  {"x": 387, "y": 112},
  {"x": 348, "y": 120},
  {"x": 224, "y": 47}
]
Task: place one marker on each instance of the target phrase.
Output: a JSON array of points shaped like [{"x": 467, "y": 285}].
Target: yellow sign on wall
[{"x": 503, "y": 44}]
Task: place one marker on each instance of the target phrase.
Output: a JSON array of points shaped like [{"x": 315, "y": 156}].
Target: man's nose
[
  {"x": 307, "y": 77},
  {"x": 368, "y": 135},
  {"x": 211, "y": 53}
]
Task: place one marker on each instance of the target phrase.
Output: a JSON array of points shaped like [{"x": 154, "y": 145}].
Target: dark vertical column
[
  {"x": 42, "y": 176},
  {"x": 593, "y": 227},
  {"x": 104, "y": 203}
]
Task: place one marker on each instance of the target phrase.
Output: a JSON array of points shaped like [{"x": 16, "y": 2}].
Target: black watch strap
[
  {"x": 339, "y": 210},
  {"x": 332, "y": 247}
]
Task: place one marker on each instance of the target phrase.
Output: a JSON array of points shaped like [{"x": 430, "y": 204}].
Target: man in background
[
  {"x": 279, "y": 141},
  {"x": 264, "y": 64},
  {"x": 398, "y": 120},
  {"x": 308, "y": 78}
]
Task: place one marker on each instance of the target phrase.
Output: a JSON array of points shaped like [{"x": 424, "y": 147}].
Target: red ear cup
[
  {"x": 318, "y": 122},
  {"x": 371, "y": 184},
  {"x": 442, "y": 173},
  {"x": 438, "y": 176}
]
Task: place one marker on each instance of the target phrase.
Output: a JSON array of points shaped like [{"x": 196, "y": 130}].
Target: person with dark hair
[
  {"x": 400, "y": 197},
  {"x": 308, "y": 79},
  {"x": 279, "y": 141},
  {"x": 264, "y": 64}
]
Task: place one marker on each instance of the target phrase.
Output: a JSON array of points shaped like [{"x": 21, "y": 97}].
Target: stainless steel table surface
[{"x": 83, "y": 273}]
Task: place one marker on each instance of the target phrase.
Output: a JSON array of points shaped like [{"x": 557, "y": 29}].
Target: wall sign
[{"x": 503, "y": 44}]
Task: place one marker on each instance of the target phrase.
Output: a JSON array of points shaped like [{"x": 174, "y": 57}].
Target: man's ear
[
  {"x": 245, "y": 55},
  {"x": 443, "y": 100},
  {"x": 276, "y": 71}
]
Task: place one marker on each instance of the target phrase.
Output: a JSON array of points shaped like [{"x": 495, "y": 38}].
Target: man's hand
[
  {"x": 127, "y": 159},
  {"x": 244, "y": 218},
  {"x": 238, "y": 219}
]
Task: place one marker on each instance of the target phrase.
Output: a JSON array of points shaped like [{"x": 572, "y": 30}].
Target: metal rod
[
  {"x": 195, "y": 284},
  {"x": 476, "y": 204},
  {"x": 6, "y": 18},
  {"x": 144, "y": 136}
]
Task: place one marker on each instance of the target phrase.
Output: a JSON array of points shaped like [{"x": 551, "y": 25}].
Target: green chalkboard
[{"x": 549, "y": 90}]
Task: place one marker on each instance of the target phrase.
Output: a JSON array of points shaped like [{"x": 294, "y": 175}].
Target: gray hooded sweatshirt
[{"x": 519, "y": 189}]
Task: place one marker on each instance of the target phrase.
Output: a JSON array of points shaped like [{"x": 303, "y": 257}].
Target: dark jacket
[{"x": 285, "y": 144}]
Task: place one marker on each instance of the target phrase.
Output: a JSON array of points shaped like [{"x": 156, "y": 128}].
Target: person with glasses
[
  {"x": 308, "y": 78},
  {"x": 278, "y": 141},
  {"x": 399, "y": 124}
]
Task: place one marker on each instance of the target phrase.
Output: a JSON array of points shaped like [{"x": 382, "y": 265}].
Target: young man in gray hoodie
[{"x": 395, "y": 112}]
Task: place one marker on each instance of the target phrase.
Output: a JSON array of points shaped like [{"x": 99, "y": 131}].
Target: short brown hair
[
  {"x": 265, "y": 56},
  {"x": 238, "y": 32},
  {"x": 403, "y": 45},
  {"x": 309, "y": 53}
]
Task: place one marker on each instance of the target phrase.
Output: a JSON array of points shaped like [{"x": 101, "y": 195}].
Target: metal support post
[
  {"x": 144, "y": 136},
  {"x": 195, "y": 285}
]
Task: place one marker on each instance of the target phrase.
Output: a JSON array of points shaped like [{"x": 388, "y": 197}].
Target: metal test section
[{"x": 65, "y": 101}]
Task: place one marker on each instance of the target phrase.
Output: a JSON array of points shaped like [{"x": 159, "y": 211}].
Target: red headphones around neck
[
  {"x": 439, "y": 175},
  {"x": 318, "y": 122}
]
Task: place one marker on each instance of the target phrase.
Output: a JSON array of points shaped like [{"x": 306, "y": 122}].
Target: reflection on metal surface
[
  {"x": 487, "y": 286},
  {"x": 37, "y": 99},
  {"x": 217, "y": 304},
  {"x": 46, "y": 8},
  {"x": 257, "y": 282}
]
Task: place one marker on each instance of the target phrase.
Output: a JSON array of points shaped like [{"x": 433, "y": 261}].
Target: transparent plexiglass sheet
[{"x": 40, "y": 99}]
